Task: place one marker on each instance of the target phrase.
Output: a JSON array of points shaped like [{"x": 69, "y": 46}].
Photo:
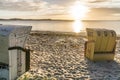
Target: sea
[{"x": 66, "y": 26}]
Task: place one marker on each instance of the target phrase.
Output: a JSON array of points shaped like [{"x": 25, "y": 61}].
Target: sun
[{"x": 78, "y": 10}]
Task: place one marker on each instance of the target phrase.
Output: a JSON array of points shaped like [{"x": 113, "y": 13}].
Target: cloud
[
  {"x": 104, "y": 13},
  {"x": 32, "y": 5},
  {"x": 35, "y": 5},
  {"x": 97, "y": 1},
  {"x": 60, "y": 2},
  {"x": 51, "y": 8},
  {"x": 104, "y": 3},
  {"x": 21, "y": 5}
]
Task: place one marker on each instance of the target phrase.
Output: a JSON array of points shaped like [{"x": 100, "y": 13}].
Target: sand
[{"x": 61, "y": 55}]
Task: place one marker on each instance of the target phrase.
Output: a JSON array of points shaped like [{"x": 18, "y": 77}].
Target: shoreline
[
  {"x": 57, "y": 33},
  {"x": 81, "y": 34}
]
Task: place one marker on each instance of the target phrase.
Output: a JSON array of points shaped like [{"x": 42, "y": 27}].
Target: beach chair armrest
[
  {"x": 27, "y": 51},
  {"x": 88, "y": 42}
]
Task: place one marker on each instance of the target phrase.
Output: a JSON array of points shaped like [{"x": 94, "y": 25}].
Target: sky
[{"x": 61, "y": 9}]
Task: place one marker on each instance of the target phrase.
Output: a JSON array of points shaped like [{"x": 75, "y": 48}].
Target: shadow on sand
[{"x": 104, "y": 70}]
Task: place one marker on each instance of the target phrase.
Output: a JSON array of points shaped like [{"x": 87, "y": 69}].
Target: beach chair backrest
[
  {"x": 111, "y": 41},
  {"x": 96, "y": 36},
  {"x": 104, "y": 39}
]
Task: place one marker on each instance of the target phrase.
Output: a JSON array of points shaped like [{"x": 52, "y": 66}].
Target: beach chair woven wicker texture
[{"x": 100, "y": 44}]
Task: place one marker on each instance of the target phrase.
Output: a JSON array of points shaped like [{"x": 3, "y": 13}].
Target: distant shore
[{"x": 15, "y": 19}]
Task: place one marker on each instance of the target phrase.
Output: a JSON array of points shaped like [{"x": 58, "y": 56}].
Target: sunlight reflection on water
[{"x": 77, "y": 26}]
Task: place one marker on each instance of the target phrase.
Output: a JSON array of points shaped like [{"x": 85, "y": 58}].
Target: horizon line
[{"x": 49, "y": 19}]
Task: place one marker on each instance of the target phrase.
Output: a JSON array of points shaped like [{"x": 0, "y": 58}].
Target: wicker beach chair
[{"x": 100, "y": 44}]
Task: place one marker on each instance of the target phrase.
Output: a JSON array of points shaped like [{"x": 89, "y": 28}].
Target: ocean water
[{"x": 66, "y": 26}]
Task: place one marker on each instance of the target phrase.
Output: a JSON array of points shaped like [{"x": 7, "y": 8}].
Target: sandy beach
[{"x": 60, "y": 56}]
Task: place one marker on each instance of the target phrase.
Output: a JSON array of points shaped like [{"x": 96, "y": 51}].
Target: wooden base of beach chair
[
  {"x": 97, "y": 56},
  {"x": 101, "y": 57}
]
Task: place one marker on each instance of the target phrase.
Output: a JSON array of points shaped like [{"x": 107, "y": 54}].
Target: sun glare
[{"x": 78, "y": 10}]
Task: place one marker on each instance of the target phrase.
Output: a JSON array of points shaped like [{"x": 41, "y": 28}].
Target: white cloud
[
  {"x": 104, "y": 4},
  {"x": 20, "y": 5}
]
